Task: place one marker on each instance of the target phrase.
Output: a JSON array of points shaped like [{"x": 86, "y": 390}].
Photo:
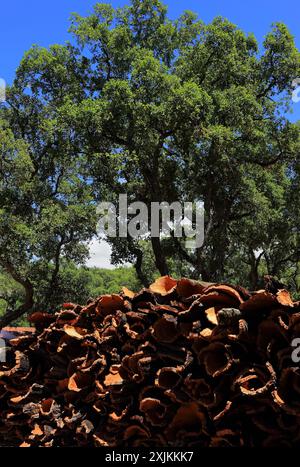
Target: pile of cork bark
[{"x": 178, "y": 364}]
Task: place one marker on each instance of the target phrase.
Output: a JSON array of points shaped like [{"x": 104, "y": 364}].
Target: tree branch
[{"x": 12, "y": 315}]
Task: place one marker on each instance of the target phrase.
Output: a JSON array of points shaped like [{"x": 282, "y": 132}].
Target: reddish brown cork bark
[{"x": 178, "y": 364}]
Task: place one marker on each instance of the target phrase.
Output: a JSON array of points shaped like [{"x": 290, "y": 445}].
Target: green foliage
[
  {"x": 198, "y": 116},
  {"x": 76, "y": 284},
  {"x": 103, "y": 281}
]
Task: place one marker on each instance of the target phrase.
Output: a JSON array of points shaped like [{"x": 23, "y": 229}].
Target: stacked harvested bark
[{"x": 179, "y": 364}]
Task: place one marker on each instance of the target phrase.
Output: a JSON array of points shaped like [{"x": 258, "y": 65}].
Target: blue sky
[{"x": 28, "y": 22}]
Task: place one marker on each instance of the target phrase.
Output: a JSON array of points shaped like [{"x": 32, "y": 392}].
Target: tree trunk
[
  {"x": 254, "y": 264},
  {"x": 253, "y": 277},
  {"x": 160, "y": 260},
  {"x": 139, "y": 271},
  {"x": 12, "y": 315}
]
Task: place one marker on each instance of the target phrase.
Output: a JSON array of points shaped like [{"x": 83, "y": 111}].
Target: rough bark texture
[{"x": 182, "y": 363}]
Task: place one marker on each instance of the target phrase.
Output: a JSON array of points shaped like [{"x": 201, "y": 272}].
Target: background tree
[
  {"x": 195, "y": 112},
  {"x": 164, "y": 111},
  {"x": 76, "y": 283},
  {"x": 46, "y": 207}
]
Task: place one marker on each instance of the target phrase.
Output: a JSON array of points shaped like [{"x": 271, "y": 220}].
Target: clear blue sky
[{"x": 44, "y": 22}]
